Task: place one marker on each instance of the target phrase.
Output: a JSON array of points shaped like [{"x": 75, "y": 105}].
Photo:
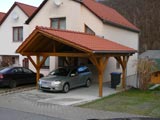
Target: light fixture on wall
[
  {"x": 15, "y": 16},
  {"x": 58, "y": 2}
]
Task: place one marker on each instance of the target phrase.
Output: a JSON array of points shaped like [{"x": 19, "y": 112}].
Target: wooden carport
[{"x": 44, "y": 42}]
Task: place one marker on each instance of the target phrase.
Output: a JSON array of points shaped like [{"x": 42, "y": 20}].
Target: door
[
  {"x": 18, "y": 76},
  {"x": 74, "y": 78}
]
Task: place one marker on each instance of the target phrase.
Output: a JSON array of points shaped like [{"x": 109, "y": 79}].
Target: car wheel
[
  {"x": 12, "y": 84},
  {"x": 66, "y": 88},
  {"x": 88, "y": 83}
]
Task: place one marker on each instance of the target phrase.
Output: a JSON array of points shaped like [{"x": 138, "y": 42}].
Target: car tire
[
  {"x": 88, "y": 83},
  {"x": 66, "y": 88},
  {"x": 12, "y": 84}
]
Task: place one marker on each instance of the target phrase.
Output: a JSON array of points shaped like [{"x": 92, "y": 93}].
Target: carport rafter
[
  {"x": 56, "y": 54},
  {"x": 59, "y": 39}
]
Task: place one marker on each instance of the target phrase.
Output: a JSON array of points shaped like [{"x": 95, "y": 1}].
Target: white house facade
[{"x": 12, "y": 32}]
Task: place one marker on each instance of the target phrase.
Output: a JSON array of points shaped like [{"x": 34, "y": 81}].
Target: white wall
[
  {"x": 69, "y": 9},
  {"x": 6, "y": 32},
  {"x": 92, "y": 21},
  {"x": 124, "y": 37}
]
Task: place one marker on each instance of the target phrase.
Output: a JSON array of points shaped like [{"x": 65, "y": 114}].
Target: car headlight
[{"x": 55, "y": 83}]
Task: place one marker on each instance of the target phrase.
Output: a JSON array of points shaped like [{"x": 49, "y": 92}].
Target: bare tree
[{"x": 145, "y": 15}]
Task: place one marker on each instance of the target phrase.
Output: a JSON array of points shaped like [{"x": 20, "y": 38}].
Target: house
[
  {"x": 13, "y": 32},
  {"x": 83, "y": 16},
  {"x": 88, "y": 16}
]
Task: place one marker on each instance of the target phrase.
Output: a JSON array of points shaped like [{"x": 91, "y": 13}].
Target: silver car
[{"x": 65, "y": 78}]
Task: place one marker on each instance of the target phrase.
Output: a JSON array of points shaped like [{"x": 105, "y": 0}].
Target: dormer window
[
  {"x": 17, "y": 34},
  {"x": 58, "y": 23},
  {"x": 89, "y": 30}
]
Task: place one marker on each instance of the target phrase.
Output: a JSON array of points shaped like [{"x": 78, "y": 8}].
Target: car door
[
  {"x": 17, "y": 75},
  {"x": 30, "y": 76},
  {"x": 83, "y": 75},
  {"x": 74, "y": 78}
]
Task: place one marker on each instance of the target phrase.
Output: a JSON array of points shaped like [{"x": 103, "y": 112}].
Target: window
[
  {"x": 83, "y": 69},
  {"x": 58, "y": 23},
  {"x": 17, "y": 34},
  {"x": 89, "y": 30},
  {"x": 17, "y": 70},
  {"x": 27, "y": 71},
  {"x": 46, "y": 63}
]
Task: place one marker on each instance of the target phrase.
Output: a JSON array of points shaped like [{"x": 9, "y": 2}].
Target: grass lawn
[{"x": 132, "y": 101}]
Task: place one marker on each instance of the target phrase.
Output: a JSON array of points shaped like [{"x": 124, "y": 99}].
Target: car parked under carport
[{"x": 66, "y": 78}]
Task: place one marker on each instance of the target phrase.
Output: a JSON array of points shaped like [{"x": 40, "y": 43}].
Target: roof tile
[
  {"x": 28, "y": 9},
  {"x": 108, "y": 14},
  {"x": 88, "y": 41}
]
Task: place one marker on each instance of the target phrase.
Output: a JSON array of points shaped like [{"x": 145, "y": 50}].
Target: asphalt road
[{"x": 9, "y": 114}]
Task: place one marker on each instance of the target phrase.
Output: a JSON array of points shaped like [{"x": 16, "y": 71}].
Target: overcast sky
[{"x": 5, "y": 5}]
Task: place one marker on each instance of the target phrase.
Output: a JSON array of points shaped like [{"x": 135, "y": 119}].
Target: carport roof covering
[{"x": 86, "y": 42}]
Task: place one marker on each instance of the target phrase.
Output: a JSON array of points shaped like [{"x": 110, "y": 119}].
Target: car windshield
[{"x": 60, "y": 72}]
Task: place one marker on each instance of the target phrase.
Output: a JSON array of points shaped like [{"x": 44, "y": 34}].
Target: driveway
[
  {"x": 59, "y": 105},
  {"x": 73, "y": 97}
]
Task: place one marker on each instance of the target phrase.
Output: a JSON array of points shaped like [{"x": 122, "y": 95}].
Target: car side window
[
  {"x": 74, "y": 71},
  {"x": 27, "y": 71},
  {"x": 83, "y": 69},
  {"x": 17, "y": 70},
  {"x": 14, "y": 71}
]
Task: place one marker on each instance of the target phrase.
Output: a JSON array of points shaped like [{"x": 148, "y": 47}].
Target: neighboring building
[
  {"x": 84, "y": 16},
  {"x": 13, "y": 32},
  {"x": 155, "y": 56}
]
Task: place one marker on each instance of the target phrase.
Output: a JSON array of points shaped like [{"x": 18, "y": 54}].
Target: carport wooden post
[
  {"x": 100, "y": 76},
  {"x": 100, "y": 63},
  {"x": 38, "y": 68},
  {"x": 123, "y": 62}
]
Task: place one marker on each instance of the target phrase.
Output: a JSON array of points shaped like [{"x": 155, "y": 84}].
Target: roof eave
[
  {"x": 36, "y": 11},
  {"x": 120, "y": 26}
]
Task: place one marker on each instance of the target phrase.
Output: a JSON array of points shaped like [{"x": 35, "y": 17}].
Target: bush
[{"x": 145, "y": 68}]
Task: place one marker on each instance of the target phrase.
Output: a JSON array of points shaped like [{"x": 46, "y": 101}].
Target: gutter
[
  {"x": 120, "y": 26},
  {"x": 113, "y": 52}
]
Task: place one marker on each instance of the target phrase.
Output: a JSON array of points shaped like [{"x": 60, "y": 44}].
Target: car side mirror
[{"x": 73, "y": 75}]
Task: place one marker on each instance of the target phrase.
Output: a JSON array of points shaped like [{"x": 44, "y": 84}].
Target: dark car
[
  {"x": 14, "y": 76},
  {"x": 65, "y": 78}
]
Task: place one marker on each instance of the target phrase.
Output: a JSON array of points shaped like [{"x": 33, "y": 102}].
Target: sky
[{"x": 5, "y": 5}]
